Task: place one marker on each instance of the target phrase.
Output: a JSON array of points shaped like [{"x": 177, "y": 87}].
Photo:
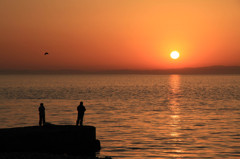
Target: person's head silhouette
[
  {"x": 41, "y": 104},
  {"x": 81, "y": 103}
]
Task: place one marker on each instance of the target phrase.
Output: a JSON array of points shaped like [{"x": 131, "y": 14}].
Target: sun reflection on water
[{"x": 175, "y": 118}]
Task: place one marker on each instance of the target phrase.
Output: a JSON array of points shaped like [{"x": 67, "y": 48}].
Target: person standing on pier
[
  {"x": 41, "y": 110},
  {"x": 81, "y": 109}
]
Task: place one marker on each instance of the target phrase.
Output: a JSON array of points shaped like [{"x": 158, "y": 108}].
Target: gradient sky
[{"x": 118, "y": 34}]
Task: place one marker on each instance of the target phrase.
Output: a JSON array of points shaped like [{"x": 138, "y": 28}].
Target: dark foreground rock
[{"x": 62, "y": 139}]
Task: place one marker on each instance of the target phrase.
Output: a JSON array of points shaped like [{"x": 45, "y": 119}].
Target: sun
[{"x": 174, "y": 55}]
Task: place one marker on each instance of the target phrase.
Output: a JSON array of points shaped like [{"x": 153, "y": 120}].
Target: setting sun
[{"x": 174, "y": 55}]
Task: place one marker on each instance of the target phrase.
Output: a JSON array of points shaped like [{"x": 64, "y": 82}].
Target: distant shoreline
[{"x": 184, "y": 71}]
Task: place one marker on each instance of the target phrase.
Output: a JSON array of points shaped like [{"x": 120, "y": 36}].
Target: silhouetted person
[
  {"x": 81, "y": 109},
  {"x": 41, "y": 110}
]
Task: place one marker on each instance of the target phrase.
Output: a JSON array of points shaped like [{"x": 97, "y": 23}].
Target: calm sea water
[{"x": 136, "y": 116}]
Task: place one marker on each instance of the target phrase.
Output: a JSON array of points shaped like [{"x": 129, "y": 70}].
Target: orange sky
[{"x": 118, "y": 34}]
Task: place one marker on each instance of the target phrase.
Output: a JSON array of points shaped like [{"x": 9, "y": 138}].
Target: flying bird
[{"x": 46, "y": 53}]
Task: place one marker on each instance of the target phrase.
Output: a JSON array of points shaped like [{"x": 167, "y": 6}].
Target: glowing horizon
[{"x": 137, "y": 34}]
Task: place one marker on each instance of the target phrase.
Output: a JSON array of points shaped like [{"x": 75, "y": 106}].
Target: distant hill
[
  {"x": 197, "y": 70},
  {"x": 204, "y": 70}
]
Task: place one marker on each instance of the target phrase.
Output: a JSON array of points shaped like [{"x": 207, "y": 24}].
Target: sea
[{"x": 136, "y": 116}]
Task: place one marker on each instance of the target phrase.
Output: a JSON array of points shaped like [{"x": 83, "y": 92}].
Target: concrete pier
[{"x": 50, "y": 138}]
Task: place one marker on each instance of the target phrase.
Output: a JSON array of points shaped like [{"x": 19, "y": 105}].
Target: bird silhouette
[{"x": 46, "y": 53}]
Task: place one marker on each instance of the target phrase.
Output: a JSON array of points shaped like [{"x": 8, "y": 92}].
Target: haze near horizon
[{"x": 121, "y": 34}]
